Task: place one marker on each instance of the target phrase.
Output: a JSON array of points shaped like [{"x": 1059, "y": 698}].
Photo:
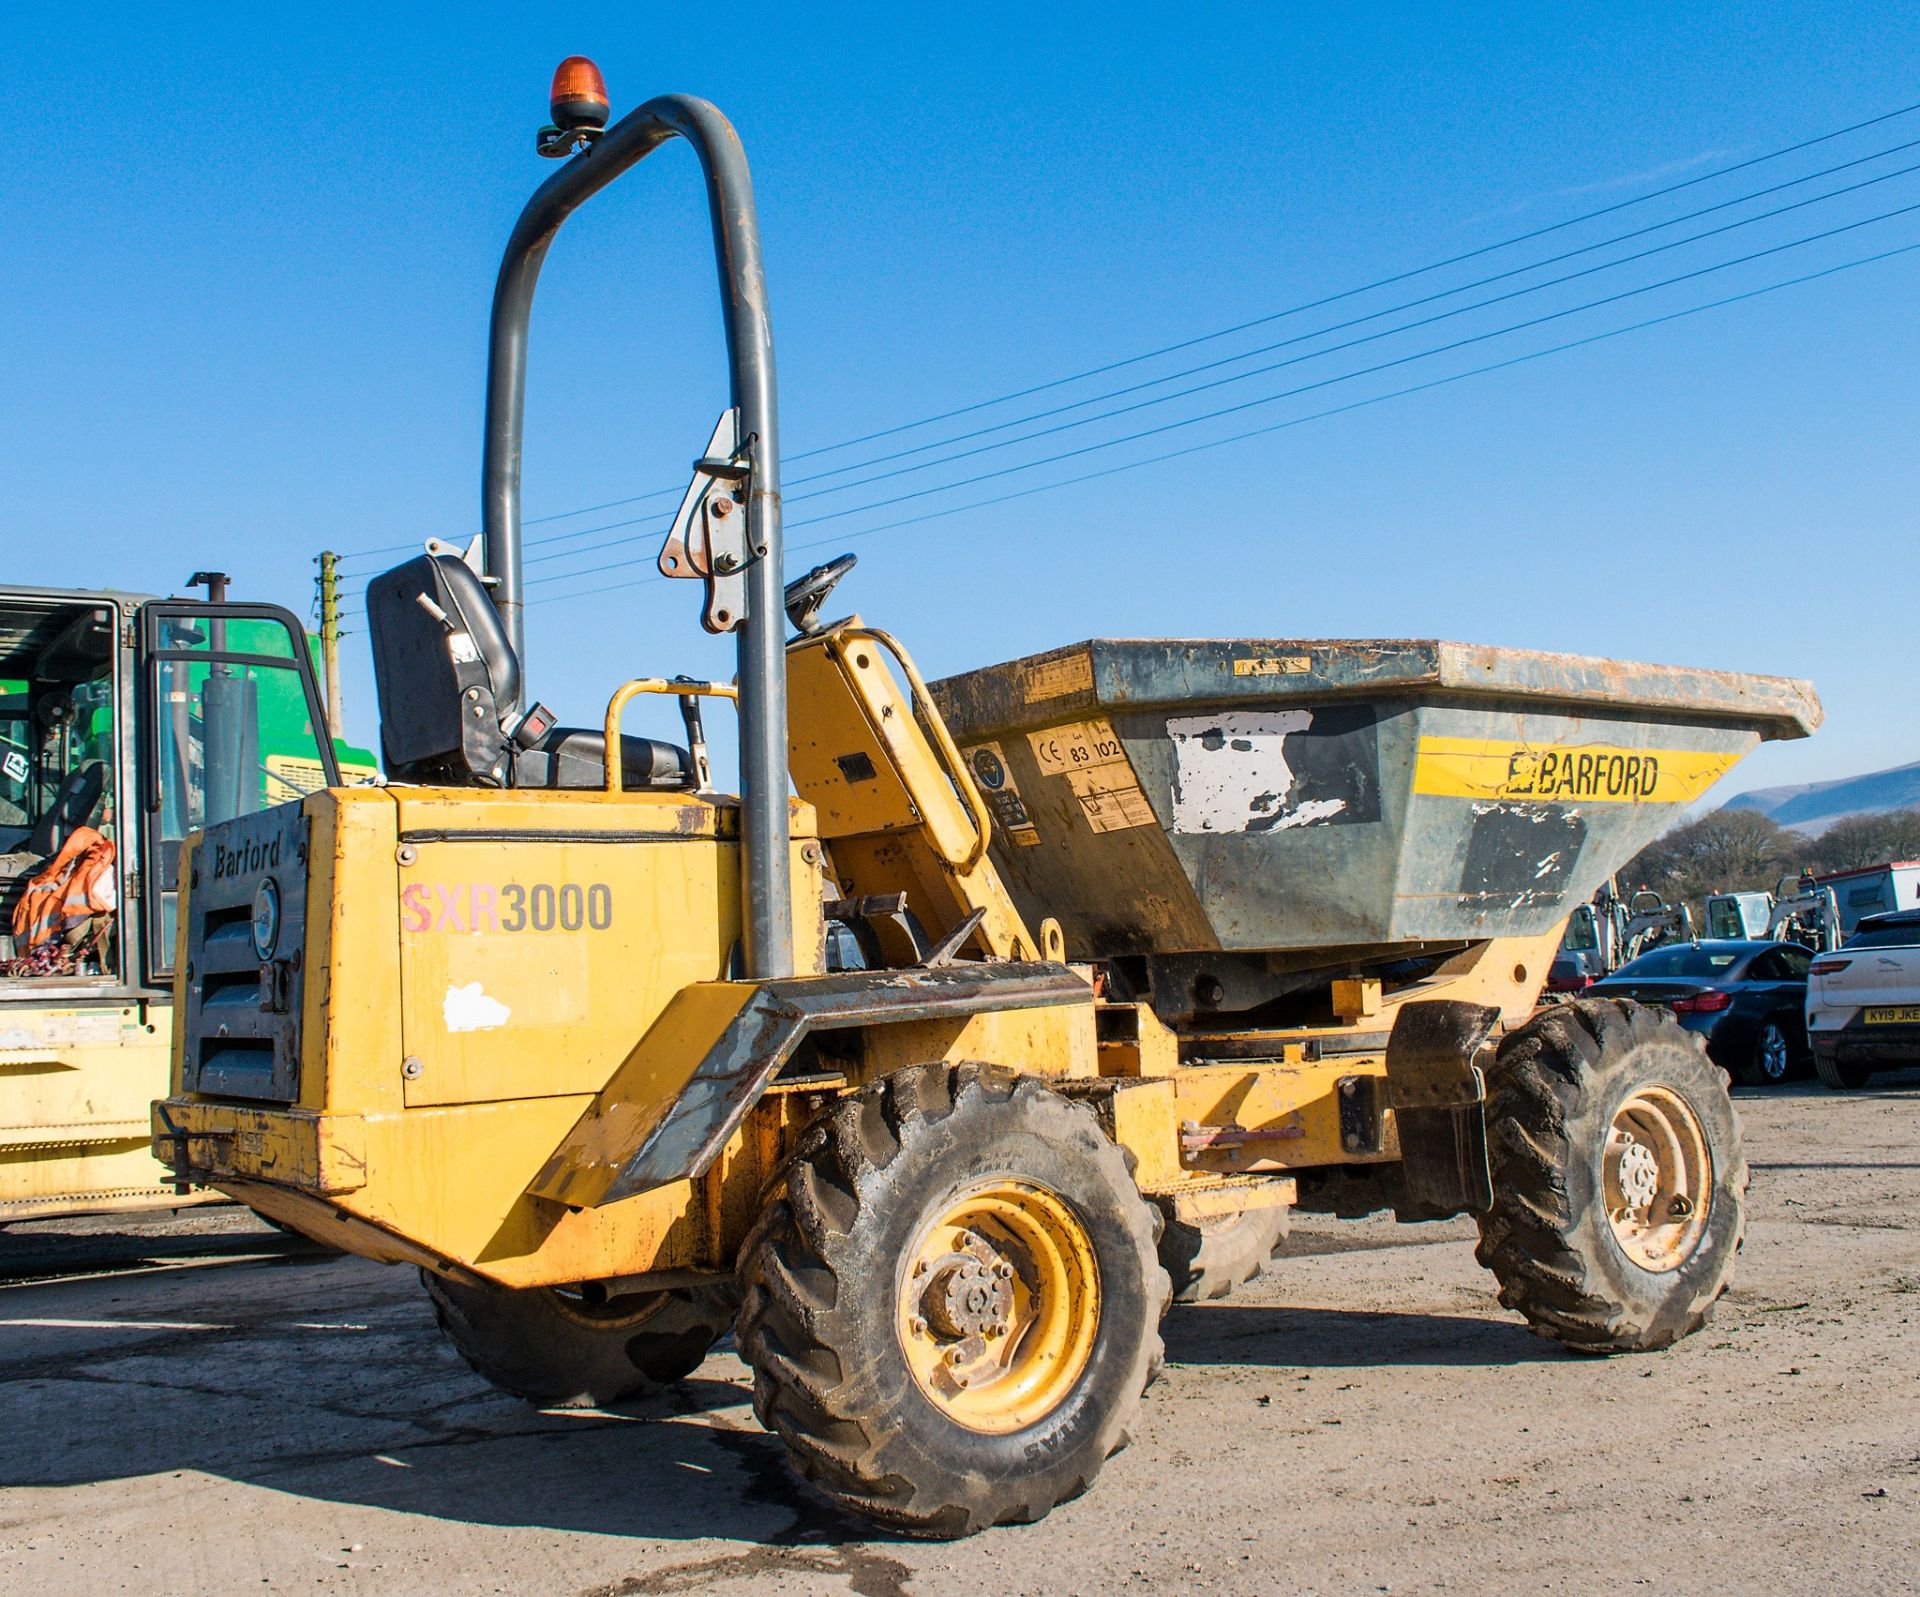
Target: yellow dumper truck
[{"x": 989, "y": 1012}]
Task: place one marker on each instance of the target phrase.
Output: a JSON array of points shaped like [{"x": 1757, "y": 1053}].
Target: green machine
[{"x": 126, "y": 723}]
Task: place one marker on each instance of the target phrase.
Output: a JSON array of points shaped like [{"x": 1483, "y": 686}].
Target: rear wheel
[
  {"x": 1209, "y": 1259},
  {"x": 1839, "y": 1077},
  {"x": 1771, "y": 1061},
  {"x": 953, "y": 1307},
  {"x": 577, "y": 1347},
  {"x": 1619, "y": 1182}
]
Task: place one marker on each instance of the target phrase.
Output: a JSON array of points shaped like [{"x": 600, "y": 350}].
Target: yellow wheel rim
[
  {"x": 1658, "y": 1179},
  {"x": 998, "y": 1305}
]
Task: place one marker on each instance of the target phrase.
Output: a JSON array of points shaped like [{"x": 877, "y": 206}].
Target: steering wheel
[{"x": 807, "y": 596}]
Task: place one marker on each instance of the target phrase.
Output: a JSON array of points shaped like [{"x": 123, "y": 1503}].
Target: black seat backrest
[
  {"x": 72, "y": 806},
  {"x": 450, "y": 695},
  {"x": 446, "y": 675}
]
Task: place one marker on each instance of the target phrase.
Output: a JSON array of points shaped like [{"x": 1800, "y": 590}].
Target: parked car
[
  {"x": 1747, "y": 999},
  {"x": 1863, "y": 1001}
]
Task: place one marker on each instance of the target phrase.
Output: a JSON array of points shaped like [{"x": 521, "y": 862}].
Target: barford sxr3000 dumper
[{"x": 1052, "y": 991}]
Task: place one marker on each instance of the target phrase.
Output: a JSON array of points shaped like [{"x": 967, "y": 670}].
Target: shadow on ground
[
  {"x": 33, "y": 1252},
  {"x": 325, "y": 1378},
  {"x": 1346, "y": 1339}
]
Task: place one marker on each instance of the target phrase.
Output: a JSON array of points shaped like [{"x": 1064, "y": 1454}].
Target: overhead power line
[
  {"x": 1007, "y": 443},
  {"x": 1291, "y": 393},
  {"x": 1369, "y": 338},
  {"x": 1239, "y": 327},
  {"x": 1414, "y": 304},
  {"x": 840, "y": 539},
  {"x": 1383, "y": 282},
  {"x": 1477, "y": 338}
]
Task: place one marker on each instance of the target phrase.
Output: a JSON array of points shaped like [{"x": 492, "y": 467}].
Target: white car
[{"x": 1863, "y": 1001}]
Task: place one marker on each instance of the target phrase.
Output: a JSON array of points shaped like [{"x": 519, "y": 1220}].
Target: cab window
[
  {"x": 1582, "y": 937},
  {"x": 1723, "y": 919},
  {"x": 60, "y": 845},
  {"x": 235, "y": 719}
]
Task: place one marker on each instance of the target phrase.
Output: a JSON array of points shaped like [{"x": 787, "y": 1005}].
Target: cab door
[
  {"x": 82, "y": 1051},
  {"x": 232, "y": 724}
]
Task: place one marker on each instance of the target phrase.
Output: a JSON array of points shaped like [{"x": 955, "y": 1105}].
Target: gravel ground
[{"x": 244, "y": 1414}]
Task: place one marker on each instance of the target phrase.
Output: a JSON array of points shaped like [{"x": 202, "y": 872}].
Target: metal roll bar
[
  {"x": 765, "y": 870},
  {"x": 627, "y": 692}
]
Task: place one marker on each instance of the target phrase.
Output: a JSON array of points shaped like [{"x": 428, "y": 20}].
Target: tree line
[{"x": 1737, "y": 851}]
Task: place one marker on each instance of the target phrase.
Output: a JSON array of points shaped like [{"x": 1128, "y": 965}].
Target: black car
[{"x": 1748, "y": 1000}]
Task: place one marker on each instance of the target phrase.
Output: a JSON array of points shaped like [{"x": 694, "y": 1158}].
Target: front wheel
[
  {"x": 954, "y": 1306},
  {"x": 1619, "y": 1182},
  {"x": 578, "y": 1347}
]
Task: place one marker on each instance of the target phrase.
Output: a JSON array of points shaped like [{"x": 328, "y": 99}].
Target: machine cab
[{"x": 126, "y": 724}]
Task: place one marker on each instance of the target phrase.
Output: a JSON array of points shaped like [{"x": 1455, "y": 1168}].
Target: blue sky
[{"x": 250, "y": 255}]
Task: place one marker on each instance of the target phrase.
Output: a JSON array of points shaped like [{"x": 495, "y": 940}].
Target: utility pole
[{"x": 330, "y": 637}]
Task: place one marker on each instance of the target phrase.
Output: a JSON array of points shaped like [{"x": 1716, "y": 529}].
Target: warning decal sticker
[
  {"x": 1089, "y": 755},
  {"x": 1055, "y": 679},
  {"x": 1080, "y": 746},
  {"x": 1110, "y": 798},
  {"x": 995, "y": 781}
]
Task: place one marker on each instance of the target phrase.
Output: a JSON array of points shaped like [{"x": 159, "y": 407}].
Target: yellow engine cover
[{"x": 478, "y": 965}]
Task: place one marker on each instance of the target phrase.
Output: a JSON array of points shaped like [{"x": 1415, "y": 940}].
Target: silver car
[{"x": 1863, "y": 1001}]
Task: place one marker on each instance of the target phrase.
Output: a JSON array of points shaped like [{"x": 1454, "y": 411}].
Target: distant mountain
[{"x": 1814, "y": 806}]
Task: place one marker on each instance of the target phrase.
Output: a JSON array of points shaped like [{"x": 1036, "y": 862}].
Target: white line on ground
[{"x": 111, "y": 1325}]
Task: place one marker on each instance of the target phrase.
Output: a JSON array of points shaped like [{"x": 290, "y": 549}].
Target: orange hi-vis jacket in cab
[{"x": 74, "y": 887}]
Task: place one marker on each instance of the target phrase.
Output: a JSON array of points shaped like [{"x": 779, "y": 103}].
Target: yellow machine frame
[{"x": 484, "y": 1142}]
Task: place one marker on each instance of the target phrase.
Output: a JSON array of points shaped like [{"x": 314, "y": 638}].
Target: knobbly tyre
[{"x": 1054, "y": 987}]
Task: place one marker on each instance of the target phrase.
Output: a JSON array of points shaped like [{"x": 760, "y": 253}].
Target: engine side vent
[{"x": 242, "y": 1014}]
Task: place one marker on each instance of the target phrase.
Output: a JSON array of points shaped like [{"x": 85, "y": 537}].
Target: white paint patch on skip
[
  {"x": 1314, "y": 810},
  {"x": 469, "y": 1008},
  {"x": 1232, "y": 773}
]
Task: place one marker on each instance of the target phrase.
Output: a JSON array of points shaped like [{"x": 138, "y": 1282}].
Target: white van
[
  {"x": 1874, "y": 890},
  {"x": 1863, "y": 1001}
]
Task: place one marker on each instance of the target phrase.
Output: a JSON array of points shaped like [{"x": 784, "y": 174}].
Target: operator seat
[
  {"x": 450, "y": 695},
  {"x": 73, "y": 805}
]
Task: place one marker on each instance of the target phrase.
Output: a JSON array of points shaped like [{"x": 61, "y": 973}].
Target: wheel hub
[
  {"x": 1639, "y": 1175},
  {"x": 971, "y": 1294},
  {"x": 1774, "y": 1058},
  {"x": 999, "y": 1303},
  {"x": 1658, "y": 1178}
]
